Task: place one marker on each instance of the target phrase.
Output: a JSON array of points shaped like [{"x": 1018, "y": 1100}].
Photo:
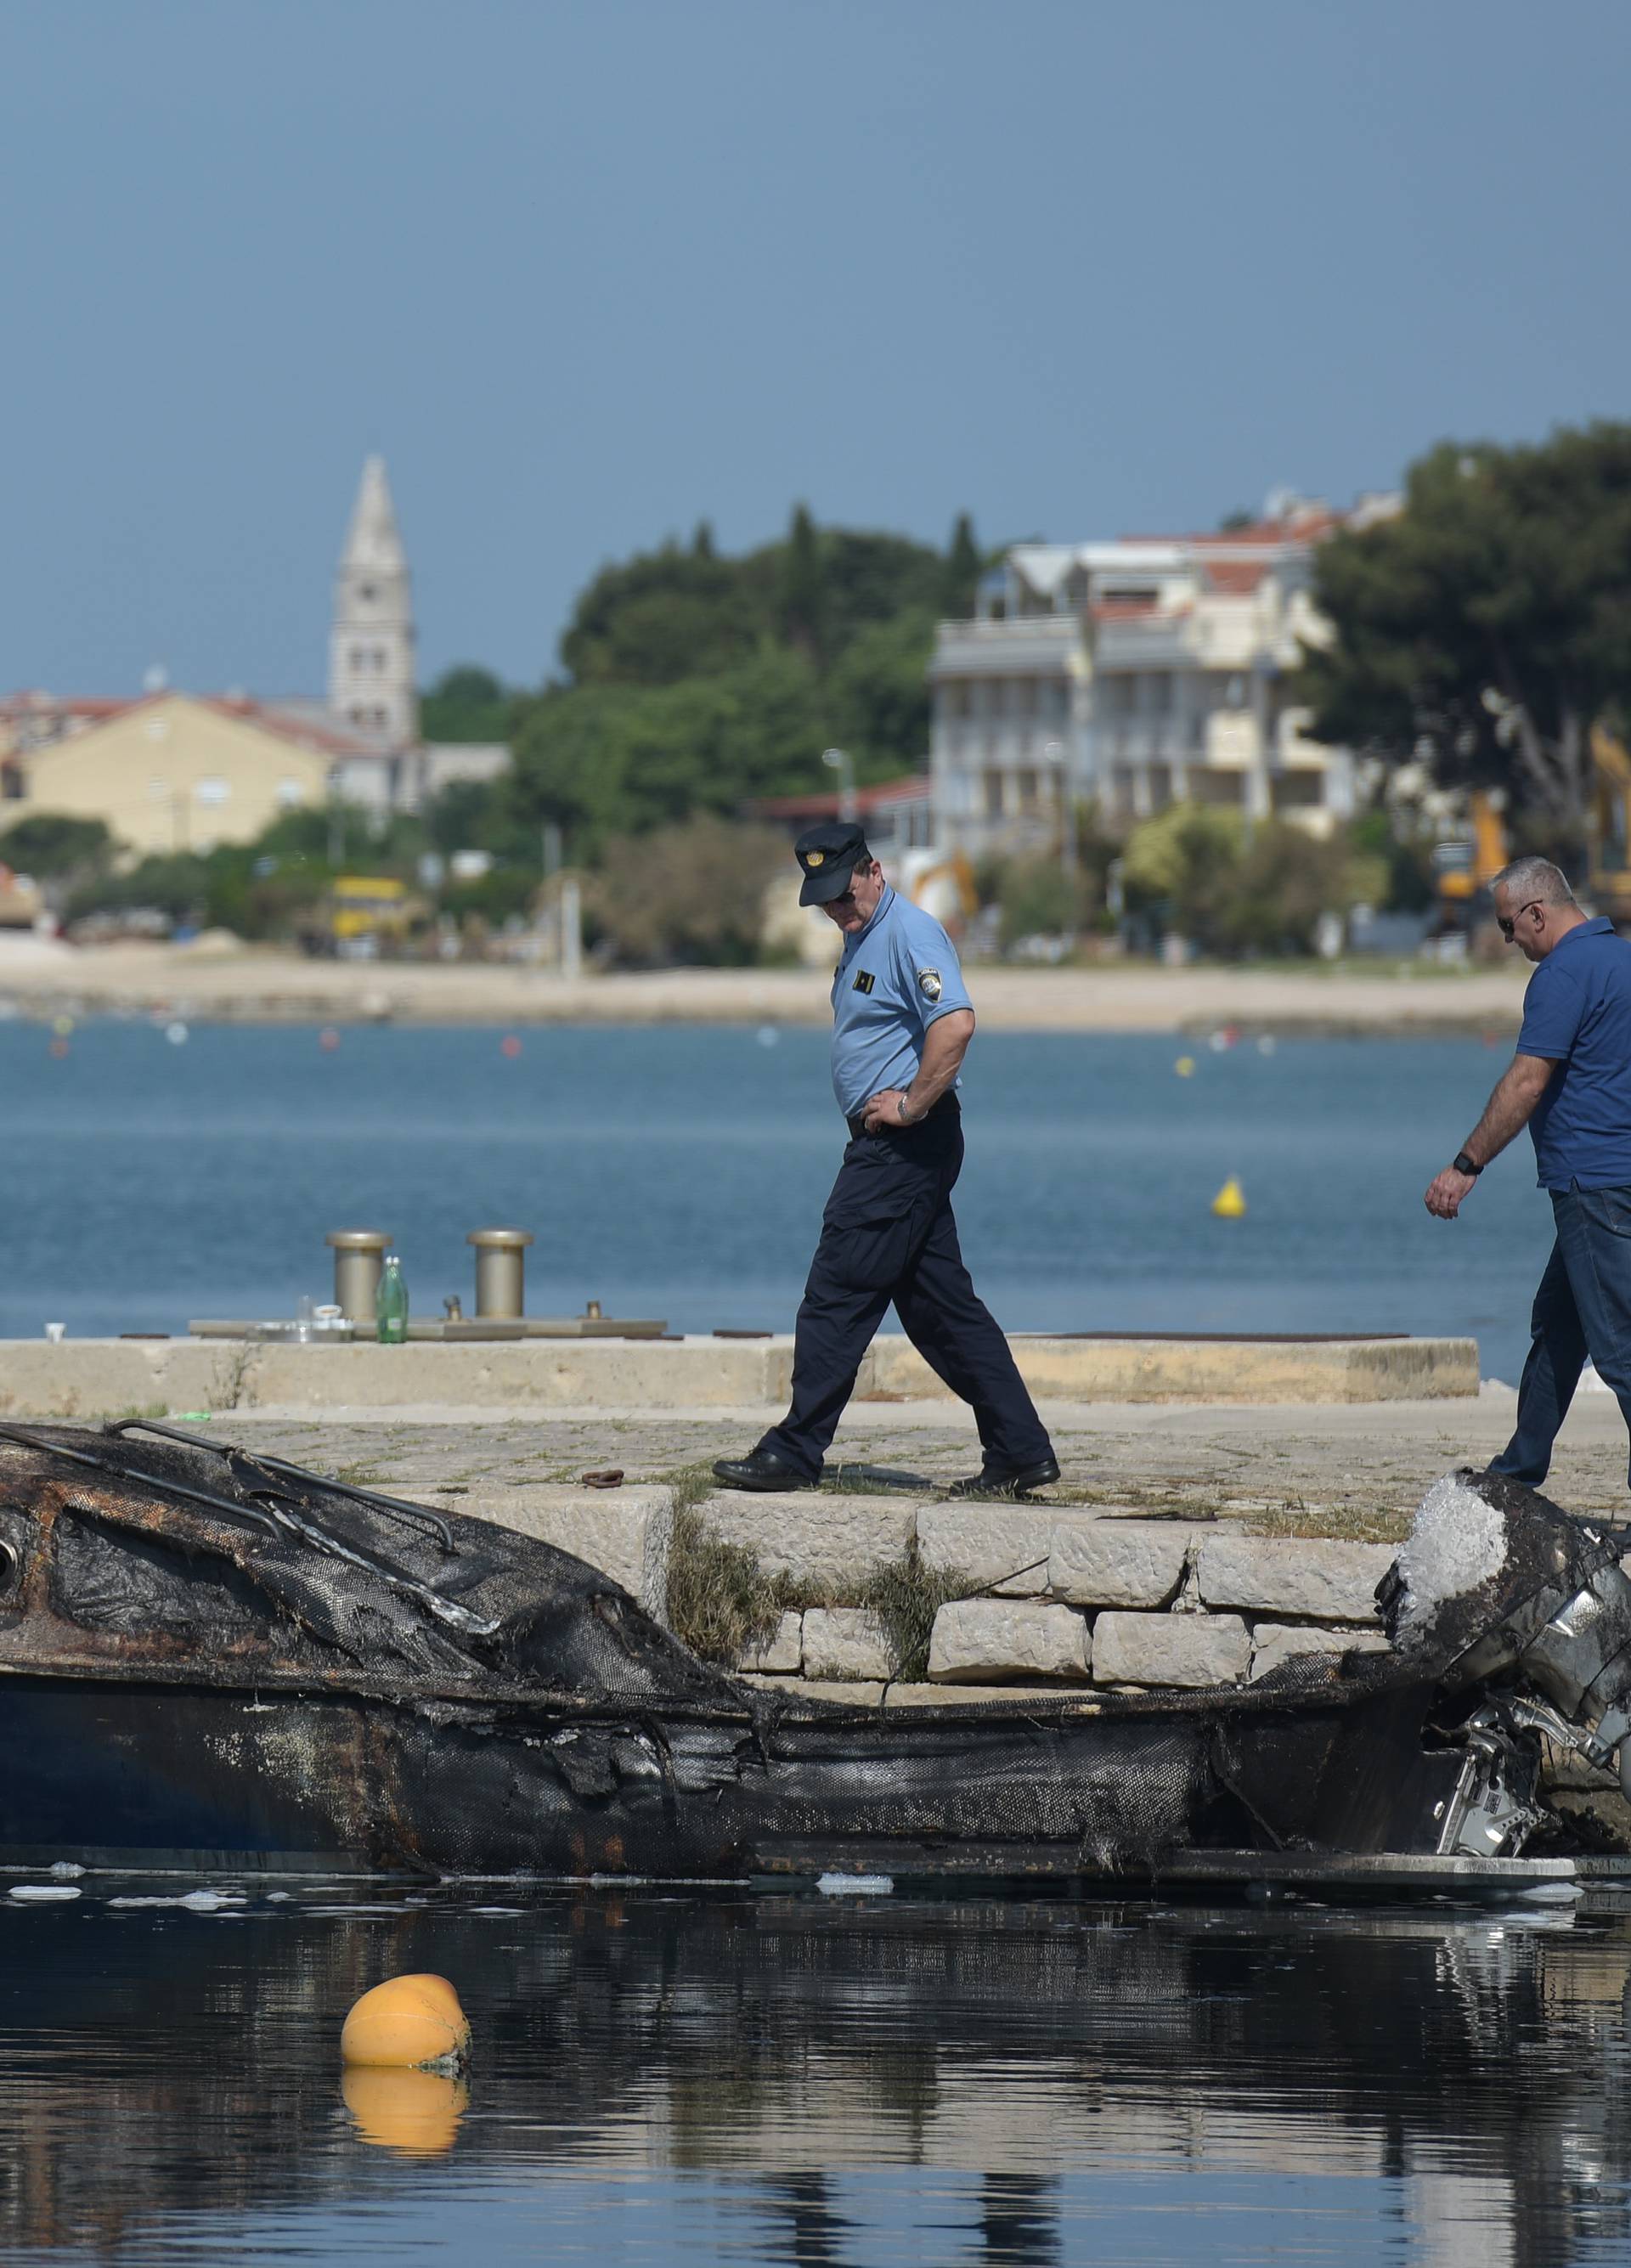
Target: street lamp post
[{"x": 840, "y": 761}]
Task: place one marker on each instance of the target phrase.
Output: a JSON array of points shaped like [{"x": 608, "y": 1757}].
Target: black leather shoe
[
  {"x": 761, "y": 1469},
  {"x": 998, "y": 1480}
]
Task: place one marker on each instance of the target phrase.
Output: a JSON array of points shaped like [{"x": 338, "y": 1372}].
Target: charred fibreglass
[{"x": 212, "y": 1659}]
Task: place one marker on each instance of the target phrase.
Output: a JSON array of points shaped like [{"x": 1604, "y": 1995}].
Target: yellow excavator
[
  {"x": 1608, "y": 879},
  {"x": 1467, "y": 860}
]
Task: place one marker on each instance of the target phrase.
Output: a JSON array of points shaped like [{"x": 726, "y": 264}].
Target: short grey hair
[{"x": 1536, "y": 879}]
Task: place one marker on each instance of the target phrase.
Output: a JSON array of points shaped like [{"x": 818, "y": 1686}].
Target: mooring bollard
[
  {"x": 500, "y": 1261},
  {"x": 358, "y": 1261}
]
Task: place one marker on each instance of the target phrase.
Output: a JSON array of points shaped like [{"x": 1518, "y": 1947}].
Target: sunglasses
[{"x": 1506, "y": 927}]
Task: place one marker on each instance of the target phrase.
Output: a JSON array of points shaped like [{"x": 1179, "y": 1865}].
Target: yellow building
[{"x": 173, "y": 773}]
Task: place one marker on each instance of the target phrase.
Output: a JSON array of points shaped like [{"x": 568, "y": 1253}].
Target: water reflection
[
  {"x": 793, "y": 2079},
  {"x": 415, "y": 2112}
]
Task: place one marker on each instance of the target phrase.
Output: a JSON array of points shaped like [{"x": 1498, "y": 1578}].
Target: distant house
[
  {"x": 1136, "y": 673},
  {"x": 163, "y": 774}
]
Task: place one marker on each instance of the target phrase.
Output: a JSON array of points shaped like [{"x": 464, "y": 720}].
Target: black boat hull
[{"x": 160, "y": 1776}]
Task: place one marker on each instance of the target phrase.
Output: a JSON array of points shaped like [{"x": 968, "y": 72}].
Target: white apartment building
[{"x": 1136, "y": 673}]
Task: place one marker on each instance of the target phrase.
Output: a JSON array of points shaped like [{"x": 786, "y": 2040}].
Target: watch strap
[{"x": 1463, "y": 1164}]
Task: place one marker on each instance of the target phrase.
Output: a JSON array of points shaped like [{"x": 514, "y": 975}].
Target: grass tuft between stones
[
  {"x": 905, "y": 1597},
  {"x": 722, "y": 1602}
]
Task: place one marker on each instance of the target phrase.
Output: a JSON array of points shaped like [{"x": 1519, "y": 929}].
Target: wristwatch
[{"x": 1463, "y": 1164}]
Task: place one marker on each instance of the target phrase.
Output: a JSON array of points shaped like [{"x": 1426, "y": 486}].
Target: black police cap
[{"x": 829, "y": 855}]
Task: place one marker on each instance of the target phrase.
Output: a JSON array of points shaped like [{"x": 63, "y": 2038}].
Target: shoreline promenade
[{"x": 249, "y": 985}]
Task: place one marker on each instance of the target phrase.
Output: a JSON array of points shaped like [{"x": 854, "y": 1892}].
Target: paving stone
[
  {"x": 1273, "y": 1643},
  {"x": 997, "y": 1546},
  {"x": 813, "y": 1537},
  {"x": 782, "y": 1651},
  {"x": 1329, "y": 1582},
  {"x": 624, "y": 1532},
  {"x": 1118, "y": 1563},
  {"x": 846, "y": 1642},
  {"x": 1131, "y": 1649},
  {"x": 979, "y": 1640}
]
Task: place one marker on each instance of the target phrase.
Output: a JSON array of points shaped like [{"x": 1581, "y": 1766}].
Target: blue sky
[{"x": 586, "y": 274}]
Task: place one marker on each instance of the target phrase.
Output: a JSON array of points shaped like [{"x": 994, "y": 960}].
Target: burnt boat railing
[
  {"x": 232, "y": 1508},
  {"x": 273, "y": 1509},
  {"x": 414, "y": 1515}
]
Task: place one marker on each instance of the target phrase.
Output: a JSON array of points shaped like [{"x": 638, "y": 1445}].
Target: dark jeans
[
  {"x": 888, "y": 1233},
  {"x": 1583, "y": 1307}
]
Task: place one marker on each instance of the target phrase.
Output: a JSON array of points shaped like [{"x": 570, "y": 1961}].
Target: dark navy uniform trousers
[
  {"x": 1583, "y": 1306},
  {"x": 887, "y": 1235}
]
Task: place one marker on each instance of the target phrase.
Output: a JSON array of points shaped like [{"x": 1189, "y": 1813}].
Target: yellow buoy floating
[
  {"x": 1185, "y": 1066},
  {"x": 408, "y": 2023},
  {"x": 1230, "y": 1200}
]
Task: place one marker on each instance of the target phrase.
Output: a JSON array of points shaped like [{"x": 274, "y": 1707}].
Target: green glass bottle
[{"x": 390, "y": 1303}]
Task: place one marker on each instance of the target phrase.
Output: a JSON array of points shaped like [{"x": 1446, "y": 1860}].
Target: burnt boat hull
[
  {"x": 162, "y": 1776},
  {"x": 212, "y": 1659}
]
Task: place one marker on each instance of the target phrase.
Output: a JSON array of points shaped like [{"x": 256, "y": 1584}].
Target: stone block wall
[{"x": 1068, "y": 1597}]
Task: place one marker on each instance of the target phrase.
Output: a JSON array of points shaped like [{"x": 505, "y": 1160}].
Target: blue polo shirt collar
[{"x": 1599, "y": 925}]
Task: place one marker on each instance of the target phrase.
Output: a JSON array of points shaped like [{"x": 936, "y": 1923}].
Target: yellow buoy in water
[
  {"x": 1185, "y": 1066},
  {"x": 408, "y": 2022},
  {"x": 1230, "y": 1200},
  {"x": 415, "y": 2112}
]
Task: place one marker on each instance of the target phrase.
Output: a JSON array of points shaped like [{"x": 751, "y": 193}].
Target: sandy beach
[{"x": 38, "y": 978}]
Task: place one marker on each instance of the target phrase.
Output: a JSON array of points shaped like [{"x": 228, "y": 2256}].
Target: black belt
[{"x": 948, "y": 1102}]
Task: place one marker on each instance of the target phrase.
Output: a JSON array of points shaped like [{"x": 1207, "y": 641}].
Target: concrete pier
[{"x": 82, "y": 1378}]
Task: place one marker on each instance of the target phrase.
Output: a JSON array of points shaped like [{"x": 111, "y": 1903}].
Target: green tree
[
  {"x": 663, "y": 616},
  {"x": 1180, "y": 867},
  {"x": 963, "y": 566},
  {"x": 1488, "y": 625},
  {"x": 801, "y": 608},
  {"x": 877, "y": 695},
  {"x": 604, "y": 759},
  {"x": 1192, "y": 868},
  {"x": 695, "y": 893},
  {"x": 53, "y": 847},
  {"x": 465, "y": 703}
]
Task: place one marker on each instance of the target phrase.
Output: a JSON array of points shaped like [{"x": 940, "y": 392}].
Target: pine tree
[
  {"x": 803, "y": 593},
  {"x": 963, "y": 564}
]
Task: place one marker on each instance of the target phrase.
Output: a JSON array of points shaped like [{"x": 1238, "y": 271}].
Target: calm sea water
[
  {"x": 681, "y": 2081},
  {"x": 679, "y": 1172}
]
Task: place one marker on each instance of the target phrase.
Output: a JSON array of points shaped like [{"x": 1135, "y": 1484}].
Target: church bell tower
[{"x": 371, "y": 646}]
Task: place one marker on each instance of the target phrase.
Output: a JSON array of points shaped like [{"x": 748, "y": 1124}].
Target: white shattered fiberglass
[{"x": 1457, "y": 1543}]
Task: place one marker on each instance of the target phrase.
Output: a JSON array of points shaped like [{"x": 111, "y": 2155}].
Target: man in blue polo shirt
[
  {"x": 902, "y": 1023},
  {"x": 1570, "y": 1083}
]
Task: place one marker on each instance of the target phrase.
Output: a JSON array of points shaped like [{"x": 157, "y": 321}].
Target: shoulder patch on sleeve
[{"x": 929, "y": 984}]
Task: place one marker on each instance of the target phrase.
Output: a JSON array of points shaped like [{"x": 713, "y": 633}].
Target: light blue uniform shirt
[{"x": 895, "y": 978}]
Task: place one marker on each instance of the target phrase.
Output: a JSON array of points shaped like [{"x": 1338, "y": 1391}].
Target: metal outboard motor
[{"x": 1542, "y": 1605}]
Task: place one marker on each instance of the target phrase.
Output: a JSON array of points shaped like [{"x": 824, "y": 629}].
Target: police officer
[{"x": 902, "y": 1023}]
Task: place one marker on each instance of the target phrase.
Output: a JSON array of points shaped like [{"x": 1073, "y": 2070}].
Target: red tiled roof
[
  {"x": 1235, "y": 579},
  {"x": 915, "y": 790},
  {"x": 332, "y": 739},
  {"x": 327, "y": 740},
  {"x": 1266, "y": 533},
  {"x": 47, "y": 705}
]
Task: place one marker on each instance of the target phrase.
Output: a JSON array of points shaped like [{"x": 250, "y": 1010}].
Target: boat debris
[{"x": 213, "y": 1660}]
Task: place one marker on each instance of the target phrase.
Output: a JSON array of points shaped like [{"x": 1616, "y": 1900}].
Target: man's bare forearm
[
  {"x": 945, "y": 1044},
  {"x": 1509, "y": 1109}
]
